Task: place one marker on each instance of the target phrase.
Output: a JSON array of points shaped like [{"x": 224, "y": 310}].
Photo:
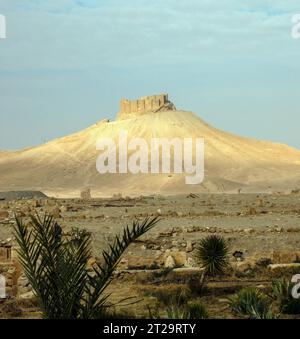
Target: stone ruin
[
  {"x": 5, "y": 251},
  {"x": 151, "y": 104},
  {"x": 86, "y": 194}
]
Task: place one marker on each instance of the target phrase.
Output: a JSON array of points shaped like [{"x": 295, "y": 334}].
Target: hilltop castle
[{"x": 155, "y": 103}]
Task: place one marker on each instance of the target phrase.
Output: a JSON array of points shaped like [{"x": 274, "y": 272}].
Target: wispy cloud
[{"x": 227, "y": 56}]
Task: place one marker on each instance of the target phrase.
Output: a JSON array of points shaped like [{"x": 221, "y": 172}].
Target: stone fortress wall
[{"x": 144, "y": 105}]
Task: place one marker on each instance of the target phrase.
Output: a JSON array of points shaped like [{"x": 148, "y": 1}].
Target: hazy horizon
[{"x": 65, "y": 64}]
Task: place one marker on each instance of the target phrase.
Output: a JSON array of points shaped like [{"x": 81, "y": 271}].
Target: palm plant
[
  {"x": 212, "y": 254},
  {"x": 57, "y": 267}
]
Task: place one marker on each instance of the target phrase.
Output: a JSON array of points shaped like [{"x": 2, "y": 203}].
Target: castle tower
[{"x": 151, "y": 104}]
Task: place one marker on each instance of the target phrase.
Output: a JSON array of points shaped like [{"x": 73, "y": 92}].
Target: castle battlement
[{"x": 144, "y": 105}]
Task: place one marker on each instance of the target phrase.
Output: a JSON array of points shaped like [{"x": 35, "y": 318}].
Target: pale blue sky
[{"x": 66, "y": 63}]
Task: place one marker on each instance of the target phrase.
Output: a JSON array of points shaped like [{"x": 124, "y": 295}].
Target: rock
[
  {"x": 170, "y": 262},
  {"x": 50, "y": 202},
  {"x": 275, "y": 267},
  {"x": 285, "y": 257},
  {"x": 26, "y": 296},
  {"x": 264, "y": 262},
  {"x": 159, "y": 212},
  {"x": 180, "y": 257},
  {"x": 189, "y": 247},
  {"x": 35, "y": 204},
  {"x": 55, "y": 212},
  {"x": 190, "y": 262},
  {"x": 248, "y": 230},
  {"x": 188, "y": 269},
  {"x": 124, "y": 263},
  {"x": 260, "y": 202},
  {"x": 91, "y": 262},
  {"x": 243, "y": 266},
  {"x": 66, "y": 208},
  {"x": 4, "y": 214},
  {"x": 279, "y": 229}
]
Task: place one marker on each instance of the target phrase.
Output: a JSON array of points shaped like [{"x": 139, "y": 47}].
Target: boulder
[
  {"x": 26, "y": 296},
  {"x": 190, "y": 263},
  {"x": 189, "y": 247},
  {"x": 55, "y": 212},
  {"x": 4, "y": 214},
  {"x": 285, "y": 257},
  {"x": 170, "y": 262},
  {"x": 280, "y": 267}
]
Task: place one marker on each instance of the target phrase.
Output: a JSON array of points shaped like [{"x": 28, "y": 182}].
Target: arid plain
[{"x": 262, "y": 231}]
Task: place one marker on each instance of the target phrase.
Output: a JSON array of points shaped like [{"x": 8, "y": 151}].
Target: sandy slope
[{"x": 67, "y": 165}]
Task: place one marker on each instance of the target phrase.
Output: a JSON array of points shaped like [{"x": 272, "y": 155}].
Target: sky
[{"x": 65, "y": 64}]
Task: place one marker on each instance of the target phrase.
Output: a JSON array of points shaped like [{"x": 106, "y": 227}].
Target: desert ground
[{"x": 261, "y": 230}]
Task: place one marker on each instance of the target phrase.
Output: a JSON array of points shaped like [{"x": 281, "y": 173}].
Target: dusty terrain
[
  {"x": 265, "y": 228},
  {"x": 67, "y": 165}
]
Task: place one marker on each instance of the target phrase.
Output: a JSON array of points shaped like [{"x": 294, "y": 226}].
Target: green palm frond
[
  {"x": 102, "y": 276},
  {"x": 57, "y": 269}
]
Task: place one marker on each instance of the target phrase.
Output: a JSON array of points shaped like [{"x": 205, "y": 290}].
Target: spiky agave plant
[
  {"x": 197, "y": 310},
  {"x": 252, "y": 303},
  {"x": 57, "y": 267},
  {"x": 212, "y": 254}
]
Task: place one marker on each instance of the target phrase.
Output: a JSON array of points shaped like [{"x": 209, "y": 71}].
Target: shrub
[
  {"x": 197, "y": 310},
  {"x": 212, "y": 254},
  {"x": 193, "y": 310},
  {"x": 252, "y": 303}
]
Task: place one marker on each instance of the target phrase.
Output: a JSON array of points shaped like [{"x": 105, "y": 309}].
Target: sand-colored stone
[
  {"x": 61, "y": 167},
  {"x": 286, "y": 257},
  {"x": 155, "y": 103}
]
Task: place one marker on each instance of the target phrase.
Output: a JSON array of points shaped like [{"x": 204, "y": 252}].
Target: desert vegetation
[
  {"x": 209, "y": 257},
  {"x": 57, "y": 268}
]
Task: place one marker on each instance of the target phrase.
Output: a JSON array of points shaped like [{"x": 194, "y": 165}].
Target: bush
[
  {"x": 193, "y": 310},
  {"x": 212, "y": 253},
  {"x": 197, "y": 310},
  {"x": 252, "y": 303}
]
